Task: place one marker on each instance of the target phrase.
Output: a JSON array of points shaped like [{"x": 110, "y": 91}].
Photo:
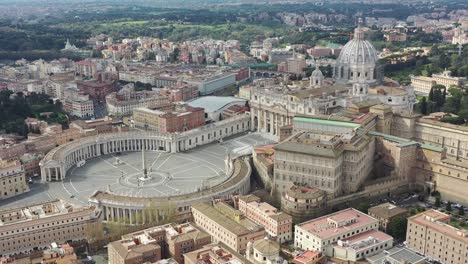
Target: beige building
[
  {"x": 263, "y": 251},
  {"x": 161, "y": 242},
  {"x": 122, "y": 103},
  {"x": 329, "y": 155},
  {"x": 385, "y": 213},
  {"x": 277, "y": 224},
  {"x": 335, "y": 234},
  {"x": 430, "y": 233},
  {"x": 227, "y": 225},
  {"x": 12, "y": 179},
  {"x": 296, "y": 65},
  {"x": 59, "y": 254},
  {"x": 36, "y": 226},
  {"x": 80, "y": 106},
  {"x": 304, "y": 202},
  {"x": 424, "y": 84},
  {"x": 140, "y": 249},
  {"x": 214, "y": 254}
]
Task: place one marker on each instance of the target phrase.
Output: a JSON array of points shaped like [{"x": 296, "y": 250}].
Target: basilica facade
[{"x": 357, "y": 77}]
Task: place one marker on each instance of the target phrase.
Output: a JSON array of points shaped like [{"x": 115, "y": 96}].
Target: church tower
[{"x": 316, "y": 78}]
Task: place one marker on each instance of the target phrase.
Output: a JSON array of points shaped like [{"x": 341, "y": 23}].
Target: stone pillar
[
  {"x": 130, "y": 211},
  {"x": 174, "y": 146},
  {"x": 114, "y": 214},
  {"x": 252, "y": 119},
  {"x": 43, "y": 176},
  {"x": 272, "y": 122}
]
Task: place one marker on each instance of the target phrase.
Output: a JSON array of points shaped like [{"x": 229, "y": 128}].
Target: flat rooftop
[
  {"x": 34, "y": 212},
  {"x": 340, "y": 222},
  {"x": 364, "y": 240},
  {"x": 240, "y": 228},
  {"x": 438, "y": 221}
]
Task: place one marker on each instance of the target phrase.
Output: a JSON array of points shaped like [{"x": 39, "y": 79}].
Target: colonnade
[
  {"x": 134, "y": 216},
  {"x": 139, "y": 210},
  {"x": 269, "y": 121},
  {"x": 55, "y": 164},
  {"x": 56, "y": 170}
]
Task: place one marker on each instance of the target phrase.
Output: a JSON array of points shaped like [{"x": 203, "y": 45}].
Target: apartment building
[
  {"x": 36, "y": 226},
  {"x": 277, "y": 224},
  {"x": 156, "y": 243},
  {"x": 424, "y": 84},
  {"x": 216, "y": 253},
  {"x": 176, "y": 118},
  {"x": 385, "y": 213},
  {"x": 12, "y": 179},
  {"x": 430, "y": 234},
  {"x": 321, "y": 234},
  {"x": 227, "y": 225}
]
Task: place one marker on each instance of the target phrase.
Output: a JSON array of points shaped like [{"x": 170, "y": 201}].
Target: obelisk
[{"x": 145, "y": 172}]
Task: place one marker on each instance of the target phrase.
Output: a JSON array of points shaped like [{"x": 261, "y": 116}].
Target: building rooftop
[
  {"x": 328, "y": 122},
  {"x": 238, "y": 228},
  {"x": 216, "y": 253},
  {"x": 396, "y": 255},
  {"x": 304, "y": 192},
  {"x": 129, "y": 249},
  {"x": 364, "y": 240},
  {"x": 319, "y": 144},
  {"x": 214, "y": 103},
  {"x": 265, "y": 208},
  {"x": 37, "y": 211},
  {"x": 439, "y": 221},
  {"x": 387, "y": 210},
  {"x": 307, "y": 256},
  {"x": 266, "y": 246},
  {"x": 336, "y": 223},
  {"x": 8, "y": 164}
]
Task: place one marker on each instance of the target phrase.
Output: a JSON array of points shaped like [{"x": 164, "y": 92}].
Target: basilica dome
[{"x": 358, "y": 60}]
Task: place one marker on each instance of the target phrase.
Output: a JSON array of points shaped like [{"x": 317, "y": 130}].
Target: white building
[
  {"x": 215, "y": 105},
  {"x": 323, "y": 233},
  {"x": 79, "y": 105},
  {"x": 360, "y": 246},
  {"x": 424, "y": 84},
  {"x": 264, "y": 251}
]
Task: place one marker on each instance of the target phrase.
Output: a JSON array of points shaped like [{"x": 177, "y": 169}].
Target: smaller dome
[
  {"x": 266, "y": 246},
  {"x": 317, "y": 73}
]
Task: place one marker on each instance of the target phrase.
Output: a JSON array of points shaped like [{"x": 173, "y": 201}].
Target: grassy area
[
  {"x": 401, "y": 76},
  {"x": 458, "y": 223},
  {"x": 123, "y": 23}
]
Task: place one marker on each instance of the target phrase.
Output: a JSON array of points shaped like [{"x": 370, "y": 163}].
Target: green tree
[
  {"x": 448, "y": 207},
  {"x": 397, "y": 228},
  {"x": 423, "y": 106},
  {"x": 437, "y": 201},
  {"x": 453, "y": 120},
  {"x": 363, "y": 207},
  {"x": 463, "y": 114},
  {"x": 431, "y": 94},
  {"x": 174, "y": 56},
  {"x": 461, "y": 210}
]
